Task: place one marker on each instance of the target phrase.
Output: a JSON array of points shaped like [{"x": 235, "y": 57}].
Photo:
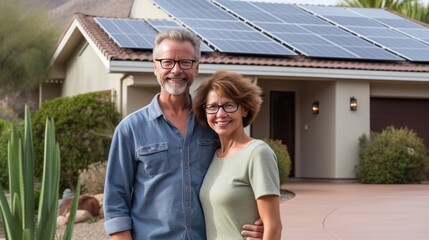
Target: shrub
[
  {"x": 92, "y": 179},
  {"x": 392, "y": 156},
  {"x": 76, "y": 118},
  {"x": 283, "y": 158},
  {"x": 7, "y": 114},
  {"x": 5, "y": 128}
]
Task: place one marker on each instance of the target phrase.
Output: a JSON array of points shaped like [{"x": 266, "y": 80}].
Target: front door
[{"x": 282, "y": 121}]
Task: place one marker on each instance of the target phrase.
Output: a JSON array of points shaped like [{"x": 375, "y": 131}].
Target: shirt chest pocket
[
  {"x": 207, "y": 148},
  {"x": 153, "y": 158}
]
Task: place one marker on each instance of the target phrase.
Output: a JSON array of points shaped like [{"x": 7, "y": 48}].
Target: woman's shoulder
[{"x": 258, "y": 143}]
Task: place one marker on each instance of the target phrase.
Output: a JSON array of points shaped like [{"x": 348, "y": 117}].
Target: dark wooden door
[{"x": 282, "y": 121}]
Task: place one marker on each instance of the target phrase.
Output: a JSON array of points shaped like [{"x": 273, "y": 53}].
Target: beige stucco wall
[
  {"x": 138, "y": 91},
  {"x": 317, "y": 131},
  {"x": 350, "y": 125},
  {"x": 146, "y": 9},
  {"x": 85, "y": 72}
]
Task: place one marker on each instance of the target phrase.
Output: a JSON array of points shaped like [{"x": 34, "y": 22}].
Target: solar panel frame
[
  {"x": 162, "y": 24},
  {"x": 224, "y": 33},
  {"x": 128, "y": 33}
]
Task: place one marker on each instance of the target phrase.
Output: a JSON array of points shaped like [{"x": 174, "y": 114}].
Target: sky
[{"x": 318, "y": 2}]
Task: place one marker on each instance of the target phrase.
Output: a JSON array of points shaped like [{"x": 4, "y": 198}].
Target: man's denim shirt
[{"x": 154, "y": 176}]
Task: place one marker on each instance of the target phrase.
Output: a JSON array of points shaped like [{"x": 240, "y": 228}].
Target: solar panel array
[
  {"x": 309, "y": 35},
  {"x": 220, "y": 30},
  {"x": 377, "y": 26},
  {"x": 278, "y": 29},
  {"x": 161, "y": 25},
  {"x": 128, "y": 33}
]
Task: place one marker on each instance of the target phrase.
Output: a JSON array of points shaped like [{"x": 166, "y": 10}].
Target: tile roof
[{"x": 114, "y": 52}]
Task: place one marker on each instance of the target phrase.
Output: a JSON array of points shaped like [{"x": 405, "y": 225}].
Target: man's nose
[{"x": 176, "y": 68}]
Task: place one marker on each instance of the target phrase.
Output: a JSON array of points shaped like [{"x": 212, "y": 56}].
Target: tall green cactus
[{"x": 18, "y": 215}]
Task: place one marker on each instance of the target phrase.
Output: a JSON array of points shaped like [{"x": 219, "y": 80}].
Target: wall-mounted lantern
[
  {"x": 353, "y": 104},
  {"x": 315, "y": 107}
]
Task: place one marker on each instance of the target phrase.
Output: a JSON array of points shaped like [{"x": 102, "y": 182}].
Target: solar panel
[
  {"x": 373, "y": 26},
  {"x": 161, "y": 25},
  {"x": 221, "y": 30},
  {"x": 305, "y": 32},
  {"x": 127, "y": 33},
  {"x": 396, "y": 22}
]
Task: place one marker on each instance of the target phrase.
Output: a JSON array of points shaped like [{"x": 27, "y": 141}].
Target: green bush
[
  {"x": 283, "y": 158},
  {"x": 392, "y": 156},
  {"x": 77, "y": 119},
  {"x": 5, "y": 128}
]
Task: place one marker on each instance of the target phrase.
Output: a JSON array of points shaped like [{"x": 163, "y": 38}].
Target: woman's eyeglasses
[{"x": 230, "y": 107}]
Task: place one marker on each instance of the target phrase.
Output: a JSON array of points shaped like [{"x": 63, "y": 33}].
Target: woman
[{"x": 242, "y": 183}]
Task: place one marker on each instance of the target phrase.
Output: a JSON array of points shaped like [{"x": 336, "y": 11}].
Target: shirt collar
[{"x": 155, "y": 110}]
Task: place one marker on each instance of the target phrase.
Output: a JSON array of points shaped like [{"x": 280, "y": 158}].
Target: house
[{"x": 354, "y": 91}]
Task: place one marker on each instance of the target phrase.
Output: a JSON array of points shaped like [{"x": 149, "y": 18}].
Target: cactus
[{"x": 18, "y": 215}]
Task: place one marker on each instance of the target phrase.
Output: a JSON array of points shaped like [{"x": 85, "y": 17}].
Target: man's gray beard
[{"x": 174, "y": 90}]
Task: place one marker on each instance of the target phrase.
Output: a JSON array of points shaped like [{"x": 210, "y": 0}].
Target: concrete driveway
[{"x": 351, "y": 211}]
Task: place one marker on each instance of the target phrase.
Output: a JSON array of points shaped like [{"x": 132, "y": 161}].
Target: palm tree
[
  {"x": 410, "y": 8},
  {"x": 390, "y": 4},
  {"x": 415, "y": 10}
]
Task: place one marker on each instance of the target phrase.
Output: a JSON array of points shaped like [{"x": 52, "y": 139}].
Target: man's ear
[
  {"x": 154, "y": 68},
  {"x": 197, "y": 68}
]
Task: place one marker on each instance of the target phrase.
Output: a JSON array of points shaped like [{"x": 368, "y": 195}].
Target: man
[{"x": 160, "y": 154}]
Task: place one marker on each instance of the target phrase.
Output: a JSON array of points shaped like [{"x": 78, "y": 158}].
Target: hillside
[{"x": 64, "y": 10}]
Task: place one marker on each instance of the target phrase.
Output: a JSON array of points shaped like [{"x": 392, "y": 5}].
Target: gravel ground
[
  {"x": 87, "y": 231},
  {"x": 95, "y": 231},
  {"x": 81, "y": 231}
]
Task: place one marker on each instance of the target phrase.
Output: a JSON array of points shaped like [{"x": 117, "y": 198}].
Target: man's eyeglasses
[
  {"x": 230, "y": 107},
  {"x": 184, "y": 64}
]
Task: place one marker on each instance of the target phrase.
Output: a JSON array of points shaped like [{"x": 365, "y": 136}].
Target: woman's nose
[{"x": 221, "y": 112}]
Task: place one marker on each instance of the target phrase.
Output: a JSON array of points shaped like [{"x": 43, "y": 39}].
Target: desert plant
[
  {"x": 76, "y": 119},
  {"x": 392, "y": 156},
  {"x": 283, "y": 158},
  {"x": 18, "y": 217},
  {"x": 92, "y": 179}
]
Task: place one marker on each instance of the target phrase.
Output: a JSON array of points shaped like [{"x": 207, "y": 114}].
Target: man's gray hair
[{"x": 180, "y": 35}]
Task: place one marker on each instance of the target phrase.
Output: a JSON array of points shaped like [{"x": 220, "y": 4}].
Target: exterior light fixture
[
  {"x": 353, "y": 104},
  {"x": 315, "y": 107}
]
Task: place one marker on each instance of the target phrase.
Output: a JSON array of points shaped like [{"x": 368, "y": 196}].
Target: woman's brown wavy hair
[{"x": 231, "y": 85}]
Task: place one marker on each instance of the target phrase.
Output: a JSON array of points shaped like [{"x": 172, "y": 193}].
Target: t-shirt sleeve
[{"x": 263, "y": 171}]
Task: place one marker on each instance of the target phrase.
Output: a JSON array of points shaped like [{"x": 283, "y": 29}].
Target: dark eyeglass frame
[
  {"x": 180, "y": 61},
  {"x": 220, "y": 106}
]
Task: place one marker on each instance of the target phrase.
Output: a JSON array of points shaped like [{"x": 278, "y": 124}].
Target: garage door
[{"x": 411, "y": 113}]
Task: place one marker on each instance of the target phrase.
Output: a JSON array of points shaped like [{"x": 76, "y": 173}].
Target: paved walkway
[{"x": 351, "y": 211}]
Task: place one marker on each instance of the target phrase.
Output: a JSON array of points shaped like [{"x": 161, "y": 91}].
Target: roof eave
[{"x": 282, "y": 72}]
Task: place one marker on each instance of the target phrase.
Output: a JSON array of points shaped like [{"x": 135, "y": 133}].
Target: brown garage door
[{"x": 411, "y": 113}]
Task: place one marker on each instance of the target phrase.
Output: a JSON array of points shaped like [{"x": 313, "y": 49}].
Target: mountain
[{"x": 64, "y": 9}]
